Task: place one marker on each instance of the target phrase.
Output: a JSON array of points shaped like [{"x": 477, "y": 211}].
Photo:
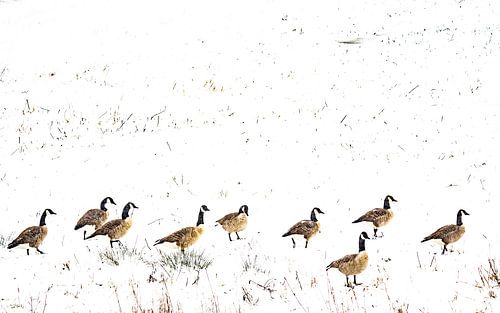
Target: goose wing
[
  {"x": 91, "y": 217},
  {"x": 301, "y": 228},
  {"x": 372, "y": 215},
  {"x": 226, "y": 218},
  {"x": 28, "y": 235},
  {"x": 441, "y": 232}
]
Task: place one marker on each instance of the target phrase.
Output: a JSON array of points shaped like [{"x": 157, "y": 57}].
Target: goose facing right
[
  {"x": 34, "y": 235},
  {"x": 187, "y": 236},
  {"x": 449, "y": 233},
  {"x": 306, "y": 228},
  {"x": 352, "y": 264},
  {"x": 378, "y": 216},
  {"x": 235, "y": 222},
  {"x": 94, "y": 217},
  {"x": 115, "y": 229}
]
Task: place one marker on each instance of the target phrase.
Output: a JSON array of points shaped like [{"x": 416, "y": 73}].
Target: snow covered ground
[{"x": 280, "y": 105}]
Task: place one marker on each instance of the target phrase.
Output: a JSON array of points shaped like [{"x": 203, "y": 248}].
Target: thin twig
[
  {"x": 413, "y": 89},
  {"x": 156, "y": 114},
  {"x": 123, "y": 122},
  {"x": 290, "y": 287}
]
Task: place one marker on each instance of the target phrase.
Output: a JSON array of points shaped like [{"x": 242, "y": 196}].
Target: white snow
[{"x": 172, "y": 105}]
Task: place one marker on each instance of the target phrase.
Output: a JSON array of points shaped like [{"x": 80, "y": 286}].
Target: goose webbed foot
[
  {"x": 230, "y": 239},
  {"x": 238, "y": 236},
  {"x": 40, "y": 251},
  {"x": 355, "y": 283},
  {"x": 119, "y": 242}
]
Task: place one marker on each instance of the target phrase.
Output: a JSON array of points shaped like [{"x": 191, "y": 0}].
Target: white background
[{"x": 174, "y": 104}]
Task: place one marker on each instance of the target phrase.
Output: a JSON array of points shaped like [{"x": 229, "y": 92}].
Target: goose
[
  {"x": 33, "y": 236},
  {"x": 352, "y": 264},
  {"x": 306, "y": 228},
  {"x": 186, "y": 236},
  {"x": 235, "y": 222},
  {"x": 94, "y": 217},
  {"x": 379, "y": 216},
  {"x": 115, "y": 229},
  {"x": 449, "y": 233}
]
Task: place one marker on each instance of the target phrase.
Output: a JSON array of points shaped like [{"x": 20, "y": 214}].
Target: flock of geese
[{"x": 349, "y": 265}]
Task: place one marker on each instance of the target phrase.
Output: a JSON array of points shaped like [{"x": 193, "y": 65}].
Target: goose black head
[
  {"x": 459, "y": 216},
  {"x": 313, "y": 214},
  {"x": 362, "y": 238},
  {"x": 104, "y": 201},
  {"x": 364, "y": 235},
  {"x": 203, "y": 209},
  {"x": 244, "y": 209},
  {"x": 127, "y": 208},
  {"x": 44, "y": 215},
  {"x": 387, "y": 204}
]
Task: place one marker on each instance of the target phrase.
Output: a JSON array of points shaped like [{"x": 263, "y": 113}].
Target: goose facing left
[
  {"x": 115, "y": 229},
  {"x": 34, "y": 235},
  {"x": 95, "y": 217}
]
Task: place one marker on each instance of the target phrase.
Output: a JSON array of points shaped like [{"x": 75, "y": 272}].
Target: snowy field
[{"x": 280, "y": 105}]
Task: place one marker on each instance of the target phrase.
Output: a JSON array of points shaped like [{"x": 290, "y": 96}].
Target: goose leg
[
  {"x": 182, "y": 250},
  {"x": 28, "y": 251},
  {"x": 40, "y": 251},
  {"x": 230, "y": 237},
  {"x": 293, "y": 242},
  {"x": 237, "y": 235},
  {"x": 84, "y": 234},
  {"x": 375, "y": 232},
  {"x": 444, "y": 249},
  {"x": 347, "y": 281},
  {"x": 355, "y": 283},
  {"x": 307, "y": 241}
]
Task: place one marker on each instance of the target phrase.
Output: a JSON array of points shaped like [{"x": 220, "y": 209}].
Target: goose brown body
[
  {"x": 187, "y": 236},
  {"x": 449, "y": 233},
  {"x": 33, "y": 236},
  {"x": 379, "y": 216},
  {"x": 305, "y": 228},
  {"x": 352, "y": 264},
  {"x": 114, "y": 229},
  {"x": 235, "y": 222},
  {"x": 93, "y": 217},
  {"x": 184, "y": 237}
]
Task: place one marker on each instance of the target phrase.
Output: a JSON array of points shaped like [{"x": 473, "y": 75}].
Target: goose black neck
[
  {"x": 103, "y": 205},
  {"x": 42, "y": 219},
  {"x": 459, "y": 218},
  {"x": 387, "y": 204},
  {"x": 200, "y": 218},
  {"x": 125, "y": 212},
  {"x": 313, "y": 216},
  {"x": 361, "y": 244}
]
